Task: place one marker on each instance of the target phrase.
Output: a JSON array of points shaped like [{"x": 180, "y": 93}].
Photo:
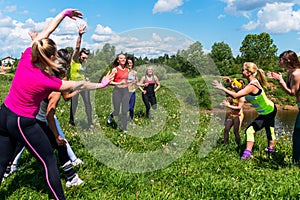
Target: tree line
[{"x": 193, "y": 61}]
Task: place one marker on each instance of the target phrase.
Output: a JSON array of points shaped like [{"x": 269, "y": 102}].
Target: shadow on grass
[
  {"x": 29, "y": 176},
  {"x": 274, "y": 161}
]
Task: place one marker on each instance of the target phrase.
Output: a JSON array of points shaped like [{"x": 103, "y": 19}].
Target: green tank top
[
  {"x": 260, "y": 102},
  {"x": 76, "y": 74}
]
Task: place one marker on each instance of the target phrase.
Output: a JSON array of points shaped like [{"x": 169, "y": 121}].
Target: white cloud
[
  {"x": 242, "y": 6},
  {"x": 272, "y": 16},
  {"x": 276, "y": 18},
  {"x": 10, "y": 8},
  {"x": 167, "y": 6},
  {"x": 150, "y": 42}
]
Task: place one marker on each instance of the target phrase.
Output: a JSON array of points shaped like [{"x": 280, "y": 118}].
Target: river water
[{"x": 284, "y": 121}]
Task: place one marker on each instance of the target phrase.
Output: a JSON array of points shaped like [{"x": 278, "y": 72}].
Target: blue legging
[
  {"x": 131, "y": 104},
  {"x": 14, "y": 128}
]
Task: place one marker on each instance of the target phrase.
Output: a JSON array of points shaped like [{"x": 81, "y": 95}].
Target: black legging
[
  {"x": 296, "y": 140},
  {"x": 14, "y": 128},
  {"x": 149, "y": 100},
  {"x": 85, "y": 94}
]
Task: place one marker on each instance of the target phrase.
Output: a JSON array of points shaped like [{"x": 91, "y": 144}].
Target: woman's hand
[
  {"x": 110, "y": 76},
  {"x": 81, "y": 29},
  {"x": 224, "y": 103},
  {"x": 274, "y": 75},
  {"x": 72, "y": 13},
  {"x": 61, "y": 141},
  {"x": 34, "y": 34},
  {"x": 218, "y": 85}
]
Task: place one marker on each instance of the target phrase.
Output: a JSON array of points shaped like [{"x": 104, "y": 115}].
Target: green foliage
[
  {"x": 159, "y": 70},
  {"x": 259, "y": 48},
  {"x": 219, "y": 175},
  {"x": 100, "y": 62}
]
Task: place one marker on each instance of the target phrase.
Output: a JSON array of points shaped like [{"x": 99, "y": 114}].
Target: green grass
[{"x": 190, "y": 162}]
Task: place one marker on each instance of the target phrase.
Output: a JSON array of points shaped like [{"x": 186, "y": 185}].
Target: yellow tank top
[{"x": 76, "y": 74}]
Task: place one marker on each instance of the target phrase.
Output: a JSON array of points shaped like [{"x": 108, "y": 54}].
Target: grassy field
[{"x": 175, "y": 155}]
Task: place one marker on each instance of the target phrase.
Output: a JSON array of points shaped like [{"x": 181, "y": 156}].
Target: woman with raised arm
[
  {"x": 32, "y": 83},
  {"x": 290, "y": 61},
  {"x": 254, "y": 94}
]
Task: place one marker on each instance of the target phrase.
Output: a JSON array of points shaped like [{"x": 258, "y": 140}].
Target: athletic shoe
[
  {"x": 74, "y": 182},
  {"x": 76, "y": 162},
  {"x": 246, "y": 155},
  {"x": 269, "y": 150},
  {"x": 110, "y": 118},
  {"x": 9, "y": 170}
]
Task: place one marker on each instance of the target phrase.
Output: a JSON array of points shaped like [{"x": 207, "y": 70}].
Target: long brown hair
[{"x": 290, "y": 59}]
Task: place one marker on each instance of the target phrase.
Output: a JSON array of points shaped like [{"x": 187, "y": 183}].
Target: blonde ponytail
[
  {"x": 261, "y": 77},
  {"x": 42, "y": 51},
  {"x": 257, "y": 72}
]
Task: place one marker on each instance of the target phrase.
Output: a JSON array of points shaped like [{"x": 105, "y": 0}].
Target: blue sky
[{"x": 152, "y": 27}]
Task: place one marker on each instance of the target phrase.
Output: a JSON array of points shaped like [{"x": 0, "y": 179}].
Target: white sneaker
[
  {"x": 110, "y": 118},
  {"x": 74, "y": 182},
  {"x": 9, "y": 170},
  {"x": 76, "y": 162}
]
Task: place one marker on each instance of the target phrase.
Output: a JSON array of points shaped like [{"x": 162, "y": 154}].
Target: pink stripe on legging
[{"x": 36, "y": 153}]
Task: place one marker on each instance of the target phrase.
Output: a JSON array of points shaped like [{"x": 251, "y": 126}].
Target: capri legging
[
  {"x": 263, "y": 121},
  {"x": 14, "y": 128}
]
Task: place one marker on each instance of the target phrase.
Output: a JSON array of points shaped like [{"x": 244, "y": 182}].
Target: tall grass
[{"x": 217, "y": 174}]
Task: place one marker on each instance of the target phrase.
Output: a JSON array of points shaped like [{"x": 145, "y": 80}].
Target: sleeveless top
[
  {"x": 76, "y": 71},
  {"x": 260, "y": 101},
  {"x": 131, "y": 78},
  {"x": 150, "y": 87},
  {"x": 42, "y": 114},
  {"x": 121, "y": 75}
]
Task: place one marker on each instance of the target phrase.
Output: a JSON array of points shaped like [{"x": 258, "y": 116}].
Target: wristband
[
  {"x": 68, "y": 12},
  {"x": 105, "y": 81}
]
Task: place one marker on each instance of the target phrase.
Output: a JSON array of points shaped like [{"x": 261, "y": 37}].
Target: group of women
[
  {"x": 39, "y": 64},
  {"x": 28, "y": 112},
  {"x": 18, "y": 112},
  {"x": 266, "y": 109},
  {"x": 124, "y": 92}
]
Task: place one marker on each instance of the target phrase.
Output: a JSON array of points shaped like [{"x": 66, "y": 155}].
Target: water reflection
[{"x": 284, "y": 121}]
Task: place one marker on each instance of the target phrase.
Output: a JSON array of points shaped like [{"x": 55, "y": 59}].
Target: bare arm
[
  {"x": 51, "y": 109},
  {"x": 72, "y": 13},
  {"x": 247, "y": 90},
  {"x": 141, "y": 84},
  {"x": 295, "y": 81},
  {"x": 75, "y": 56},
  {"x": 157, "y": 84},
  {"x": 85, "y": 85},
  {"x": 237, "y": 107}
]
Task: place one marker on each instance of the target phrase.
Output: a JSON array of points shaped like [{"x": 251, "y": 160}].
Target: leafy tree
[
  {"x": 259, "y": 48},
  {"x": 99, "y": 62},
  {"x": 197, "y": 60},
  {"x": 221, "y": 51},
  {"x": 222, "y": 55}
]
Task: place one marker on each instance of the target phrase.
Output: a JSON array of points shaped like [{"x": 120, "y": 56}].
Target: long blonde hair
[
  {"x": 257, "y": 73},
  {"x": 42, "y": 50}
]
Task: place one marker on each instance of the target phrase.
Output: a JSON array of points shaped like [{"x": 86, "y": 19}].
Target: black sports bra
[{"x": 259, "y": 90}]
